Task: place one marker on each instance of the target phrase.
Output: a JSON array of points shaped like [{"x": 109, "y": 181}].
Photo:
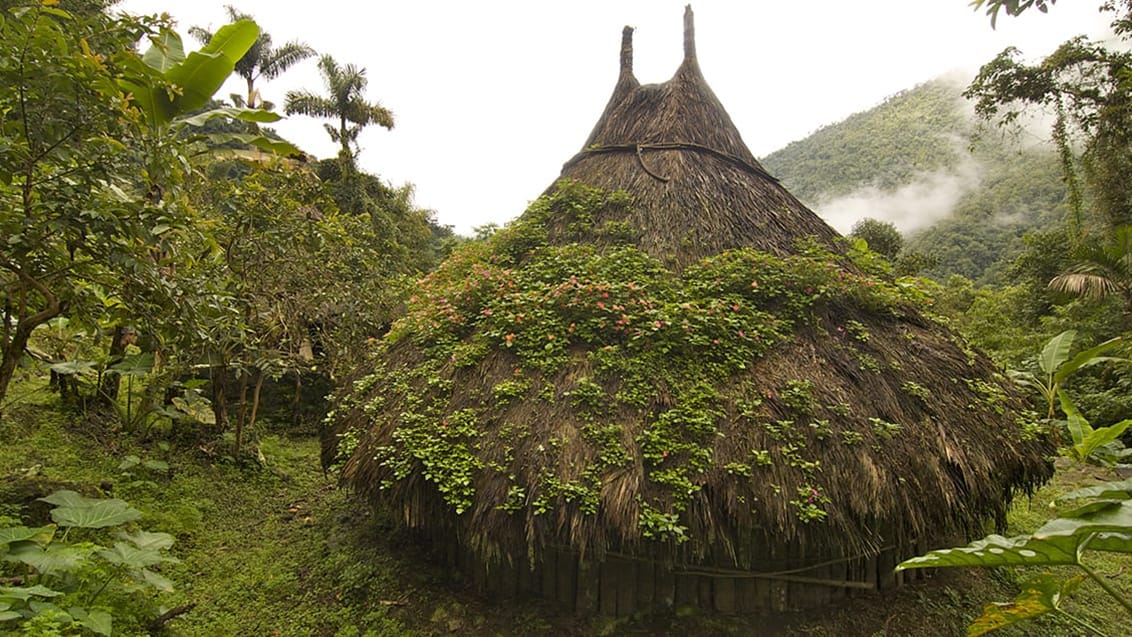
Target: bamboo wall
[{"x": 623, "y": 585}]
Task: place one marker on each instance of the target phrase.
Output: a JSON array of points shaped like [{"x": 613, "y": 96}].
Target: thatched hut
[{"x": 669, "y": 383}]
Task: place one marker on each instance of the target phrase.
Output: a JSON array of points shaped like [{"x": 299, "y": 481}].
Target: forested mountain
[{"x": 961, "y": 192}]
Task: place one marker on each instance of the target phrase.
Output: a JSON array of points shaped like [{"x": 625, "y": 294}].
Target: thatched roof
[
  {"x": 668, "y": 355},
  {"x": 697, "y": 187}
]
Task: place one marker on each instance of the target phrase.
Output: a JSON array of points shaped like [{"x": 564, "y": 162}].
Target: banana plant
[
  {"x": 1056, "y": 365},
  {"x": 170, "y": 88},
  {"x": 1086, "y": 439},
  {"x": 1102, "y": 523}
]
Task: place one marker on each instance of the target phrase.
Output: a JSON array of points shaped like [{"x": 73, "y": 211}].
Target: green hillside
[{"x": 963, "y": 195}]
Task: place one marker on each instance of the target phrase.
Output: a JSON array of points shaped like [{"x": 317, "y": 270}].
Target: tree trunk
[
  {"x": 241, "y": 417},
  {"x": 111, "y": 381},
  {"x": 241, "y": 425},
  {"x": 297, "y": 399},
  {"x": 219, "y": 396},
  {"x": 13, "y": 350}
]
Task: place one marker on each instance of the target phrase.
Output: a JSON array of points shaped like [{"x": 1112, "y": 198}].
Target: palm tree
[
  {"x": 262, "y": 60},
  {"x": 1102, "y": 268},
  {"x": 345, "y": 101}
]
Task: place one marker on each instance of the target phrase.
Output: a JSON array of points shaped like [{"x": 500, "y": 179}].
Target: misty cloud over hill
[{"x": 915, "y": 161}]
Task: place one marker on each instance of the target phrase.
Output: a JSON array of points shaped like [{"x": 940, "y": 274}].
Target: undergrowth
[{"x": 276, "y": 549}]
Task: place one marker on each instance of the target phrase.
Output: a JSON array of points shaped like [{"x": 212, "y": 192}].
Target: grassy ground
[{"x": 273, "y": 548}]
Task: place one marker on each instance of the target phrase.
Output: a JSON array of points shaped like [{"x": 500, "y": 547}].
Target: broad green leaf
[
  {"x": 39, "y": 534},
  {"x": 1040, "y": 595},
  {"x": 9, "y": 615},
  {"x": 24, "y": 593},
  {"x": 134, "y": 364},
  {"x": 51, "y": 558},
  {"x": 65, "y": 497},
  {"x": 98, "y": 622},
  {"x": 1056, "y": 351},
  {"x": 1109, "y": 490},
  {"x": 243, "y": 114},
  {"x": 203, "y": 72},
  {"x": 995, "y": 550},
  {"x": 165, "y": 51},
  {"x": 130, "y": 556},
  {"x": 198, "y": 409},
  {"x": 42, "y": 608},
  {"x": 1088, "y": 508},
  {"x": 157, "y": 581},
  {"x": 1111, "y": 542},
  {"x": 1114, "y": 518},
  {"x": 72, "y": 368},
  {"x": 151, "y": 100},
  {"x": 90, "y": 513},
  {"x": 148, "y": 539},
  {"x": 1091, "y": 356},
  {"x": 276, "y": 146},
  {"x": 1101, "y": 436},
  {"x": 1079, "y": 428},
  {"x": 156, "y": 465}
]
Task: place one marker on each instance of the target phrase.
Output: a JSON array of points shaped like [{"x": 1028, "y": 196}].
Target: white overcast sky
[{"x": 492, "y": 97}]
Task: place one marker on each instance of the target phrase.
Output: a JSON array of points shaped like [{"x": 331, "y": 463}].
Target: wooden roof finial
[
  {"x": 627, "y": 51},
  {"x": 689, "y": 34}
]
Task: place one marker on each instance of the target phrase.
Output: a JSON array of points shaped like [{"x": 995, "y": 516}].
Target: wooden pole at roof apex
[
  {"x": 627, "y": 51},
  {"x": 689, "y": 34}
]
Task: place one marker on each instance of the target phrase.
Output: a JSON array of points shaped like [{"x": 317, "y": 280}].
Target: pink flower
[
  {"x": 741, "y": 334},
  {"x": 658, "y": 324}
]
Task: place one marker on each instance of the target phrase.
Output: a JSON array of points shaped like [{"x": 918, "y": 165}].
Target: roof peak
[{"x": 689, "y": 34}]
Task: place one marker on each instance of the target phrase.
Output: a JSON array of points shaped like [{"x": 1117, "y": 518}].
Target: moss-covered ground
[{"x": 272, "y": 547}]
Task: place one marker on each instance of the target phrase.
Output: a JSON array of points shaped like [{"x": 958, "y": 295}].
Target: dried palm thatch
[
  {"x": 686, "y": 370},
  {"x": 698, "y": 189}
]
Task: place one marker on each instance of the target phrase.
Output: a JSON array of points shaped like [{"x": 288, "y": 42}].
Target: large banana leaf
[
  {"x": 1086, "y": 439},
  {"x": 194, "y": 79},
  {"x": 1056, "y": 351},
  {"x": 244, "y": 114},
  {"x": 165, "y": 52},
  {"x": 203, "y": 72}
]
